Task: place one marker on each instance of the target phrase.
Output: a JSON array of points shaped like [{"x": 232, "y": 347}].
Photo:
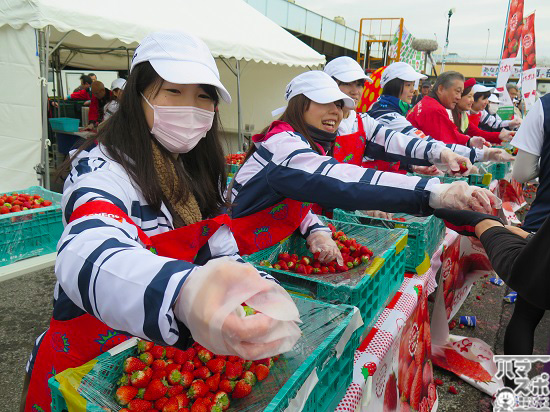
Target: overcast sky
[{"x": 468, "y": 33}]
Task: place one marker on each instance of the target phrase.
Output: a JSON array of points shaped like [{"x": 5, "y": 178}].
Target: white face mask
[{"x": 180, "y": 128}]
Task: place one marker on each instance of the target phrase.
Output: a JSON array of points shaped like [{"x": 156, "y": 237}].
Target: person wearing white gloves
[
  {"x": 145, "y": 250},
  {"x": 288, "y": 168},
  {"x": 490, "y": 120}
]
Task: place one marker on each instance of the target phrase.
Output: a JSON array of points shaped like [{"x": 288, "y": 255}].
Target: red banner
[
  {"x": 513, "y": 29},
  {"x": 371, "y": 92},
  {"x": 529, "y": 75}
]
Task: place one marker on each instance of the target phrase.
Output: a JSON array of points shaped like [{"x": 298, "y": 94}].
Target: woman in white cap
[
  {"x": 491, "y": 121},
  {"x": 117, "y": 88},
  {"x": 155, "y": 181},
  {"x": 287, "y": 168}
]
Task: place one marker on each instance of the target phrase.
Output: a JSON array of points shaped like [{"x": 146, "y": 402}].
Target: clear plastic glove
[
  {"x": 515, "y": 122},
  {"x": 496, "y": 155},
  {"x": 461, "y": 196},
  {"x": 209, "y": 304},
  {"x": 453, "y": 163},
  {"x": 506, "y": 135},
  {"x": 477, "y": 142},
  {"x": 377, "y": 213},
  {"x": 427, "y": 170},
  {"x": 321, "y": 241}
]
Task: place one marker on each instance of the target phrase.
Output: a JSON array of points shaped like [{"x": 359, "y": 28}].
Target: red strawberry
[
  {"x": 284, "y": 256},
  {"x": 233, "y": 370},
  {"x": 199, "y": 407},
  {"x": 155, "y": 390},
  {"x": 233, "y": 358},
  {"x": 266, "y": 361},
  {"x": 227, "y": 386},
  {"x": 174, "y": 377},
  {"x": 158, "y": 364},
  {"x": 438, "y": 382},
  {"x": 242, "y": 389},
  {"x": 158, "y": 352},
  {"x": 191, "y": 353},
  {"x": 197, "y": 362},
  {"x": 159, "y": 374},
  {"x": 202, "y": 373},
  {"x": 147, "y": 358},
  {"x": 261, "y": 371},
  {"x": 144, "y": 346},
  {"x": 409, "y": 377},
  {"x": 171, "y": 406},
  {"x": 183, "y": 400},
  {"x": 139, "y": 405},
  {"x": 222, "y": 399},
  {"x": 169, "y": 352},
  {"x": 213, "y": 382},
  {"x": 140, "y": 379},
  {"x": 371, "y": 367},
  {"x": 180, "y": 356},
  {"x": 125, "y": 394},
  {"x": 197, "y": 389},
  {"x": 463, "y": 366},
  {"x": 186, "y": 378},
  {"x": 390, "y": 394},
  {"x": 452, "y": 390},
  {"x": 205, "y": 355},
  {"x": 173, "y": 391},
  {"x": 172, "y": 366},
  {"x": 216, "y": 365},
  {"x": 188, "y": 366},
  {"x": 249, "y": 377},
  {"x": 419, "y": 353},
  {"x": 159, "y": 403},
  {"x": 416, "y": 389},
  {"x": 133, "y": 364}
]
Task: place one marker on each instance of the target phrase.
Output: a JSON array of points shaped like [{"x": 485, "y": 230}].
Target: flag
[
  {"x": 371, "y": 92},
  {"x": 529, "y": 73}
]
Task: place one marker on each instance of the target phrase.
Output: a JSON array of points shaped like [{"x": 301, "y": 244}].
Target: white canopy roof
[{"x": 231, "y": 28}]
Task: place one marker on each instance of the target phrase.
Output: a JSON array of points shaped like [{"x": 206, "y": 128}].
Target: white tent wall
[{"x": 20, "y": 108}]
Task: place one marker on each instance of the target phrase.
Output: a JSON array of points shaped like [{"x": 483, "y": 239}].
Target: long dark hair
[
  {"x": 394, "y": 88},
  {"x": 129, "y": 142},
  {"x": 457, "y": 113},
  {"x": 294, "y": 116}
]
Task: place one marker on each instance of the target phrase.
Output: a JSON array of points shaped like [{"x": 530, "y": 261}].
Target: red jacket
[
  {"x": 95, "y": 115},
  {"x": 474, "y": 130},
  {"x": 83, "y": 94},
  {"x": 432, "y": 118}
]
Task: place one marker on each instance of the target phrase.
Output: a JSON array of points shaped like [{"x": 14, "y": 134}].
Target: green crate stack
[
  {"x": 31, "y": 232},
  {"x": 442, "y": 179},
  {"x": 323, "y": 325},
  {"x": 500, "y": 170},
  {"x": 232, "y": 169},
  {"x": 366, "y": 287},
  {"x": 425, "y": 232}
]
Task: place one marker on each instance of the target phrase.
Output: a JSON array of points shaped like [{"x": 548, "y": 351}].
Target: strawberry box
[
  {"x": 367, "y": 286},
  {"x": 317, "y": 371},
  {"x": 32, "y": 232},
  {"x": 442, "y": 179},
  {"x": 425, "y": 234}
]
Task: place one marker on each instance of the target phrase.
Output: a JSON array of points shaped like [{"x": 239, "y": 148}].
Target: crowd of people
[{"x": 156, "y": 170}]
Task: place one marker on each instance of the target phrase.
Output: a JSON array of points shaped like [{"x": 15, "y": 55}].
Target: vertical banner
[
  {"x": 529, "y": 74},
  {"x": 371, "y": 92},
  {"x": 511, "y": 44}
]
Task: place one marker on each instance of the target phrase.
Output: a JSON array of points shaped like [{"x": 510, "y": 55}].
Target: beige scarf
[{"x": 184, "y": 212}]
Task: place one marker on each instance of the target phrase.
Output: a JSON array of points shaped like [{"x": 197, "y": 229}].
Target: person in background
[
  {"x": 424, "y": 91},
  {"x": 100, "y": 97},
  {"x": 515, "y": 95},
  {"x": 82, "y": 92},
  {"x": 490, "y": 121},
  {"x": 111, "y": 107},
  {"x": 85, "y": 83},
  {"x": 93, "y": 76}
]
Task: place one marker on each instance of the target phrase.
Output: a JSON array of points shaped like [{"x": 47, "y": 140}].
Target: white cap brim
[
  {"x": 409, "y": 76},
  {"x": 493, "y": 99},
  {"x": 324, "y": 96},
  {"x": 351, "y": 76},
  {"x": 188, "y": 72},
  {"x": 479, "y": 88}
]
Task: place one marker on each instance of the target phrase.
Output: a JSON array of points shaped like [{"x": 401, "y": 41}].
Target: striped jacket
[{"x": 492, "y": 122}]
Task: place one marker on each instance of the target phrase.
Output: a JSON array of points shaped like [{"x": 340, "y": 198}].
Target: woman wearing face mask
[
  {"x": 288, "y": 167},
  {"x": 154, "y": 181}
]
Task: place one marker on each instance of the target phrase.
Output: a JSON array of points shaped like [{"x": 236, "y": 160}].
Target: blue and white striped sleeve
[
  {"x": 296, "y": 171},
  {"x": 310, "y": 224}
]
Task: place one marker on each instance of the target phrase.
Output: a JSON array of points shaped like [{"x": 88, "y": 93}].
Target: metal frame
[{"x": 371, "y": 19}]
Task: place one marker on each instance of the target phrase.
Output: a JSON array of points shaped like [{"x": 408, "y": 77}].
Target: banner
[
  {"x": 408, "y": 54},
  {"x": 512, "y": 39},
  {"x": 529, "y": 76},
  {"x": 515, "y": 72},
  {"x": 371, "y": 91}
]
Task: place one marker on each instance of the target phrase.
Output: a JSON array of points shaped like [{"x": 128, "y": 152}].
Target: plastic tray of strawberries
[
  {"x": 367, "y": 286},
  {"x": 425, "y": 232},
  {"x": 322, "y": 327},
  {"x": 32, "y": 232},
  {"x": 443, "y": 178}
]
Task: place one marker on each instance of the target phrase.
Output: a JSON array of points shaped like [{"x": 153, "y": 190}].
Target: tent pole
[
  {"x": 239, "y": 114},
  {"x": 44, "y": 167}
]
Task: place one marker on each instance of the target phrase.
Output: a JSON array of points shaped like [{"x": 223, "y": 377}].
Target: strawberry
[
  {"x": 171, "y": 406},
  {"x": 172, "y": 366},
  {"x": 227, "y": 386},
  {"x": 222, "y": 399},
  {"x": 180, "y": 356},
  {"x": 125, "y": 394},
  {"x": 409, "y": 377},
  {"x": 144, "y": 346},
  {"x": 284, "y": 257},
  {"x": 158, "y": 364},
  {"x": 242, "y": 389},
  {"x": 197, "y": 389},
  {"x": 169, "y": 352},
  {"x": 173, "y": 391},
  {"x": 390, "y": 394},
  {"x": 139, "y": 405},
  {"x": 159, "y": 403},
  {"x": 158, "y": 352},
  {"x": 452, "y": 390},
  {"x": 249, "y": 377},
  {"x": 371, "y": 368},
  {"x": 213, "y": 382},
  {"x": 262, "y": 371},
  {"x": 197, "y": 362},
  {"x": 463, "y": 167},
  {"x": 188, "y": 366},
  {"x": 133, "y": 364},
  {"x": 233, "y": 370},
  {"x": 191, "y": 353},
  {"x": 202, "y": 373},
  {"x": 186, "y": 379},
  {"x": 199, "y": 407},
  {"x": 159, "y": 374},
  {"x": 205, "y": 355},
  {"x": 416, "y": 389},
  {"x": 183, "y": 400},
  {"x": 147, "y": 358},
  {"x": 438, "y": 382},
  {"x": 216, "y": 365},
  {"x": 463, "y": 366},
  {"x": 174, "y": 377},
  {"x": 140, "y": 379},
  {"x": 283, "y": 265},
  {"x": 266, "y": 361},
  {"x": 124, "y": 380},
  {"x": 155, "y": 390}
]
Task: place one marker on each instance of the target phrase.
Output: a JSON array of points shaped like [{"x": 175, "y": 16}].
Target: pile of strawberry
[
  {"x": 17, "y": 202},
  {"x": 166, "y": 379},
  {"x": 235, "y": 159},
  {"x": 353, "y": 254}
]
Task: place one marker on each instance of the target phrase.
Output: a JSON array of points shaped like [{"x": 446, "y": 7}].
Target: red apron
[{"x": 72, "y": 343}]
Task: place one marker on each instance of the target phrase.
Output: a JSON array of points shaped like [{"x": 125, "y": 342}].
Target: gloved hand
[
  {"x": 453, "y": 163},
  {"x": 506, "y": 135},
  {"x": 209, "y": 304},
  {"x": 515, "y": 122},
  {"x": 478, "y": 142},
  {"x": 321, "y": 241},
  {"x": 377, "y": 213},
  {"x": 427, "y": 170},
  {"x": 496, "y": 155},
  {"x": 460, "y": 196},
  {"x": 463, "y": 221}
]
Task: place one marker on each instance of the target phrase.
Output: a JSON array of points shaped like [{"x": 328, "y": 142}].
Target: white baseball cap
[
  {"x": 317, "y": 86},
  {"x": 479, "y": 88},
  {"x": 346, "y": 70},
  {"x": 181, "y": 58},
  {"x": 118, "y": 84},
  {"x": 400, "y": 70},
  {"x": 493, "y": 99}
]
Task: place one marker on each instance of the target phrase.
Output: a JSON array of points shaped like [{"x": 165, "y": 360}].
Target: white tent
[{"x": 102, "y": 35}]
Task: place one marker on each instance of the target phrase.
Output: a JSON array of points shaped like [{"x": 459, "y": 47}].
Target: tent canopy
[{"x": 231, "y": 28}]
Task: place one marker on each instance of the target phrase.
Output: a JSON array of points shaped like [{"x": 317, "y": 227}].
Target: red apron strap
[{"x": 350, "y": 148}]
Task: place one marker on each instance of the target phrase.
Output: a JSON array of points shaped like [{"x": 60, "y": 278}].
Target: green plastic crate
[
  {"x": 500, "y": 170},
  {"x": 366, "y": 287},
  {"x": 442, "y": 179},
  {"x": 425, "y": 233},
  {"x": 32, "y": 232},
  {"x": 232, "y": 169},
  {"x": 322, "y": 328}
]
